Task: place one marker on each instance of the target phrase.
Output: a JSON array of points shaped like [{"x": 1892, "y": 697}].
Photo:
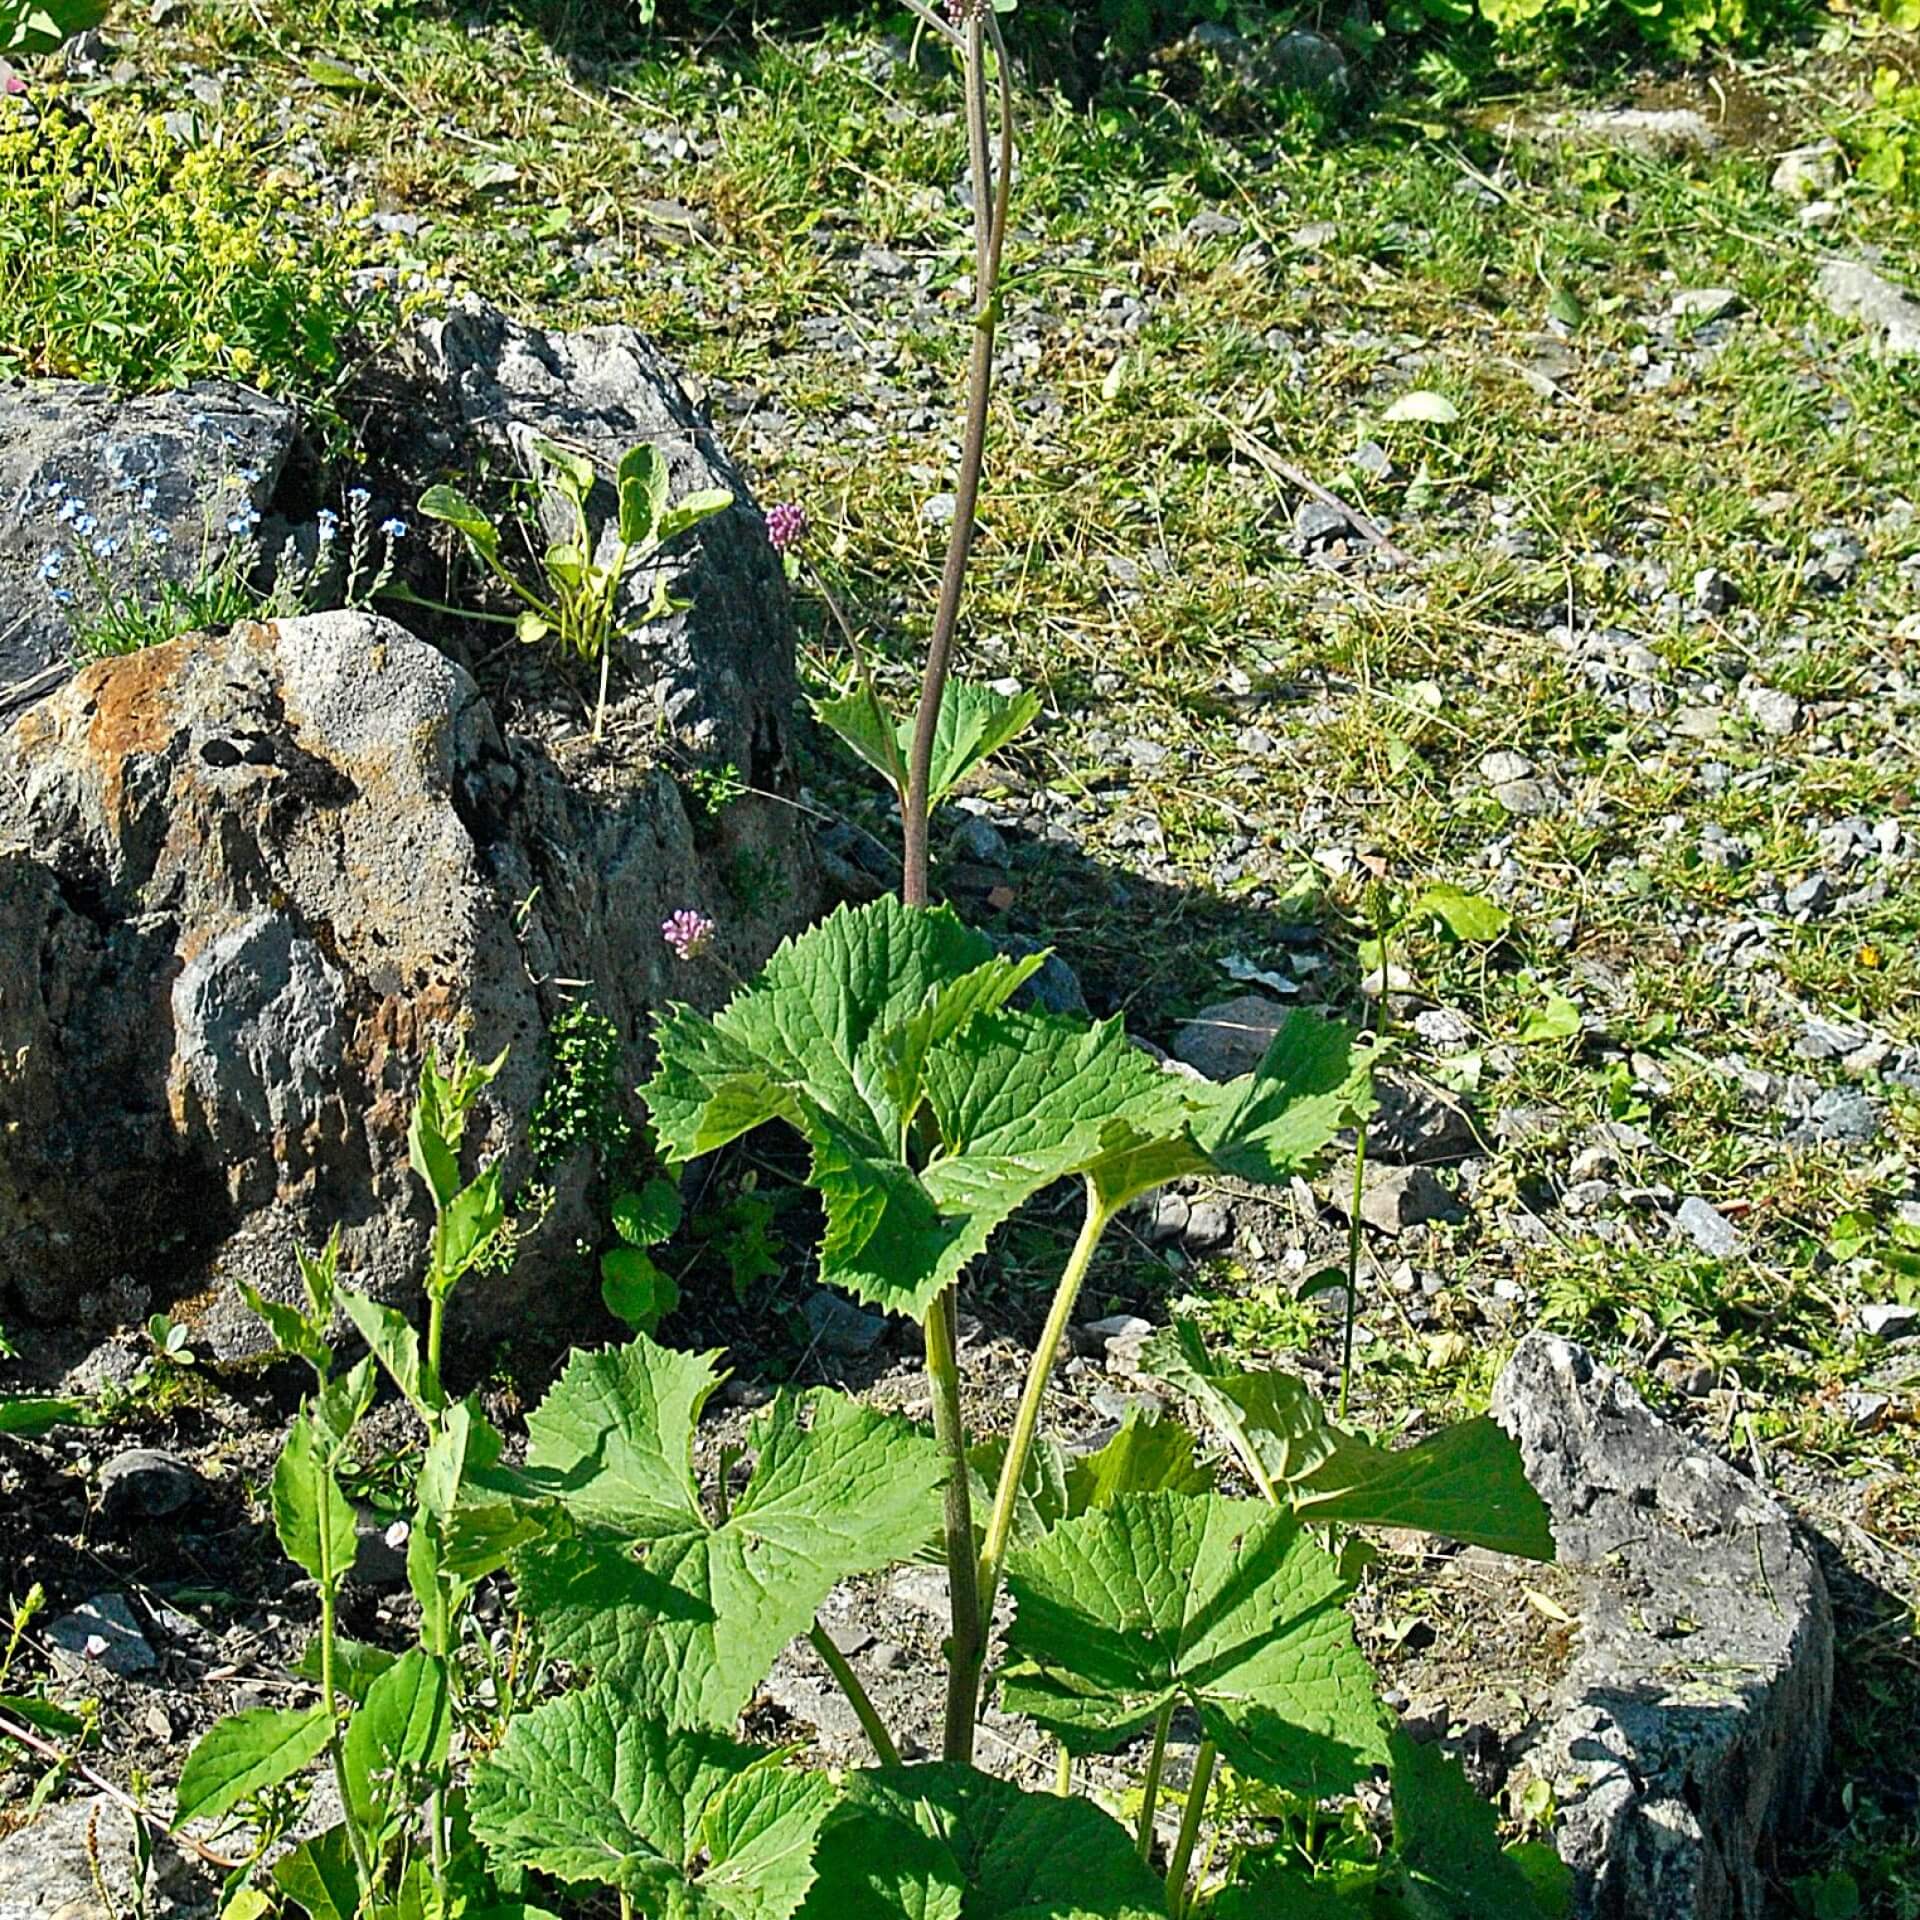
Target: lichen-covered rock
[
  {"x": 247, "y": 882},
  {"x": 1690, "y": 1731},
  {"x": 95, "y": 487}
]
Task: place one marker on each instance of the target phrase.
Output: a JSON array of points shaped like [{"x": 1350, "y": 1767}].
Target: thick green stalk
[
  {"x": 857, "y": 1696},
  {"x": 1353, "y": 1264},
  {"x": 1063, "y": 1773},
  {"x": 964, "y": 1651},
  {"x": 1026, "y": 1421},
  {"x": 1190, "y": 1819},
  {"x": 1150, "y": 1787}
]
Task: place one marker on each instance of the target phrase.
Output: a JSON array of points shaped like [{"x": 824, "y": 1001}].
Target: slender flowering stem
[{"x": 991, "y": 189}]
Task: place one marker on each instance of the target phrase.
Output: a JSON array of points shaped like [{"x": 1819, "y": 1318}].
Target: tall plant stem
[
  {"x": 356, "y": 1840},
  {"x": 1197, "y": 1791},
  {"x": 966, "y": 1647},
  {"x": 991, "y": 188},
  {"x": 1026, "y": 1423},
  {"x": 1353, "y": 1264},
  {"x": 1150, "y": 1786},
  {"x": 857, "y": 1696}
]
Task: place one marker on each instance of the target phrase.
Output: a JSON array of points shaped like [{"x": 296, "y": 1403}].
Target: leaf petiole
[
  {"x": 1196, "y": 1807},
  {"x": 1150, "y": 1787},
  {"x": 857, "y": 1696}
]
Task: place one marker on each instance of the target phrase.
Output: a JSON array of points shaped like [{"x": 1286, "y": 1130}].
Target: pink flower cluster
[
  {"x": 786, "y": 526},
  {"x": 688, "y": 933}
]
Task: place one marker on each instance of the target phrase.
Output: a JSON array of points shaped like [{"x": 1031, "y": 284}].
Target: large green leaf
[
  {"x": 884, "y": 1021},
  {"x": 1147, "y": 1455},
  {"x": 693, "y": 1825},
  {"x": 1275, "y": 1886},
  {"x": 33, "y": 1414},
  {"x": 1225, "y": 1605},
  {"x": 1447, "y": 1860},
  {"x": 244, "y": 1755},
  {"x": 1467, "y": 1481},
  {"x": 320, "y": 1874},
  {"x": 931, "y": 1842},
  {"x": 687, "y": 1613}
]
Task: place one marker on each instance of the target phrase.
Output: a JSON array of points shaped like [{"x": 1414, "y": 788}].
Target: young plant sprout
[{"x": 576, "y": 605}]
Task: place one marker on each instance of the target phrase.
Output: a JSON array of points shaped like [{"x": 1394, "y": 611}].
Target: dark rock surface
[{"x": 1691, "y": 1729}]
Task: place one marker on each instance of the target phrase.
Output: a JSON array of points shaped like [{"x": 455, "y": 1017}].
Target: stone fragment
[
  {"x": 138, "y": 490},
  {"x": 838, "y": 1326},
  {"x": 1394, "y": 1199},
  {"x": 75, "y": 1860},
  {"x": 1707, "y": 1227},
  {"x": 1714, "y": 590},
  {"x": 1054, "y": 989},
  {"x": 101, "y": 1632},
  {"x": 1529, "y": 799},
  {"x": 146, "y": 1484},
  {"x": 1704, "y": 303},
  {"x": 1891, "y": 1322},
  {"x": 1229, "y": 1038},
  {"x": 1688, "y": 1736},
  {"x": 1303, "y": 61},
  {"x": 1415, "y": 1123},
  {"x": 1770, "y": 709},
  {"x": 1661, "y": 133},
  {"x": 1806, "y": 173},
  {"x": 1843, "y": 1114},
  {"x": 1890, "y": 315}
]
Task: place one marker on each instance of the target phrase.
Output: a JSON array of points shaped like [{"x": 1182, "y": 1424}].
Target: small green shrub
[
  {"x": 1884, "y": 142},
  {"x": 128, "y": 257},
  {"x": 583, "y": 1105}
]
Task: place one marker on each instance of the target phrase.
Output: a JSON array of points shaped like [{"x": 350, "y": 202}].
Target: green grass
[{"x": 1136, "y": 563}]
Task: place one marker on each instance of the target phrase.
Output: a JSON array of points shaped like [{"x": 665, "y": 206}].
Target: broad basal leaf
[
  {"x": 35, "y": 1414},
  {"x": 1275, "y": 1886},
  {"x": 1447, "y": 1861},
  {"x": 883, "y": 1017},
  {"x": 936, "y": 1842},
  {"x": 1466, "y": 1481},
  {"x": 685, "y": 1613},
  {"x": 1146, "y": 1456},
  {"x": 245, "y": 1754},
  {"x": 1225, "y": 1605},
  {"x": 694, "y": 1826}
]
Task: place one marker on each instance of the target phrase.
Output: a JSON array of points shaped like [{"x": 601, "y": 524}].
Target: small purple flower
[
  {"x": 326, "y": 526},
  {"x": 394, "y": 528},
  {"x": 357, "y": 498},
  {"x": 51, "y": 562},
  {"x": 786, "y": 526},
  {"x": 688, "y": 933}
]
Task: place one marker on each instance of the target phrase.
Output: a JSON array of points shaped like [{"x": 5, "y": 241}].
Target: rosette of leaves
[
  {"x": 934, "y": 1109},
  {"x": 576, "y": 604}
]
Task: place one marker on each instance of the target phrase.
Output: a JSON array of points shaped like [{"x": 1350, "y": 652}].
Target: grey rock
[
  {"x": 1167, "y": 1216},
  {"x": 380, "y": 1555},
  {"x": 978, "y": 839},
  {"x": 1304, "y": 62},
  {"x": 1703, "y": 303},
  {"x": 247, "y": 882},
  {"x": 1417, "y": 1123},
  {"x": 1828, "y": 1039},
  {"x": 1394, "y": 1199},
  {"x": 1662, "y": 133},
  {"x": 1770, "y": 709},
  {"x": 1806, "y": 173},
  {"x": 1318, "y": 526},
  {"x": 1688, "y": 1736},
  {"x": 48, "y": 1867},
  {"x": 1055, "y": 988},
  {"x": 1841, "y": 1114},
  {"x": 1230, "y": 1037},
  {"x": 1209, "y": 1226},
  {"x": 1707, "y": 1227},
  {"x": 1529, "y": 799},
  {"x": 1811, "y": 895},
  {"x": 838, "y": 1326},
  {"x": 1714, "y": 590},
  {"x": 1889, "y": 314},
  {"x": 1889, "y": 1322},
  {"x": 146, "y": 1484},
  {"x": 1504, "y": 764},
  {"x": 101, "y": 1632},
  {"x": 149, "y": 489}
]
